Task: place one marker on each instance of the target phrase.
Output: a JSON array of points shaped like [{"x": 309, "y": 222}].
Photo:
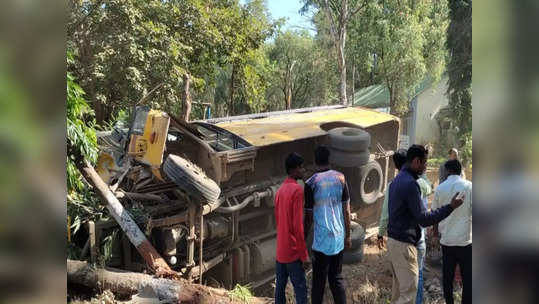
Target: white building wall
[{"x": 429, "y": 102}]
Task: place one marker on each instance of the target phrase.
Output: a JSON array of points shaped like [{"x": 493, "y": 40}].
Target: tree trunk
[
  {"x": 230, "y": 110},
  {"x": 186, "y": 106},
  {"x": 128, "y": 283},
  {"x": 128, "y": 225},
  {"x": 289, "y": 97},
  {"x": 342, "y": 67},
  {"x": 339, "y": 39},
  {"x": 353, "y": 83},
  {"x": 99, "y": 112},
  {"x": 392, "y": 105},
  {"x": 341, "y": 42}
]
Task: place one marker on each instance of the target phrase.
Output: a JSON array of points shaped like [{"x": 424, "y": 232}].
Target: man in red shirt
[{"x": 291, "y": 248}]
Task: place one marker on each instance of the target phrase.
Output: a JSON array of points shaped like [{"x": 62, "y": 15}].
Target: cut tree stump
[{"x": 129, "y": 283}]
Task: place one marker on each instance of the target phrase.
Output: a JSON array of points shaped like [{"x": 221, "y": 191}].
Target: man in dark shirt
[
  {"x": 407, "y": 214},
  {"x": 291, "y": 249}
]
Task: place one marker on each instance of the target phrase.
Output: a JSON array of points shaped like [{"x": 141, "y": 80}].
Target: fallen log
[{"x": 129, "y": 283}]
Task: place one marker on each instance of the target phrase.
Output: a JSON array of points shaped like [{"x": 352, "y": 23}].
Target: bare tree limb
[{"x": 359, "y": 8}]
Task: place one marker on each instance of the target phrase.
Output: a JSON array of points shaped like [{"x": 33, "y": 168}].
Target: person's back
[
  {"x": 456, "y": 229},
  {"x": 327, "y": 187},
  {"x": 456, "y": 232},
  {"x": 327, "y": 204},
  {"x": 287, "y": 211},
  {"x": 291, "y": 251}
]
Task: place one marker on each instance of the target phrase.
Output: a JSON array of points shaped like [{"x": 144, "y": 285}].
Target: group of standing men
[
  {"x": 405, "y": 215},
  {"x": 325, "y": 201}
]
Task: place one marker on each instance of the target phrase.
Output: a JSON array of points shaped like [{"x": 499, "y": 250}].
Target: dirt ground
[{"x": 370, "y": 281}]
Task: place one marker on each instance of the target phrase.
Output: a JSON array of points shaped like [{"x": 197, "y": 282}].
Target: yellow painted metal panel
[
  {"x": 289, "y": 127},
  {"x": 149, "y": 147}
]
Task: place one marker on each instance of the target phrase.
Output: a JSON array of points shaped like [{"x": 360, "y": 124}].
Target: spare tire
[
  {"x": 357, "y": 234},
  {"x": 367, "y": 178},
  {"x": 348, "y": 159},
  {"x": 355, "y": 253},
  {"x": 349, "y": 139},
  {"x": 191, "y": 179},
  {"x": 352, "y": 256}
]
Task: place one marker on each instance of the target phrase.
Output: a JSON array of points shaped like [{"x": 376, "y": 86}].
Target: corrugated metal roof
[
  {"x": 375, "y": 96},
  {"x": 294, "y": 126}
]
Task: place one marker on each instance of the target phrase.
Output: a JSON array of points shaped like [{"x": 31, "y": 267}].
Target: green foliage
[
  {"x": 459, "y": 68},
  {"x": 300, "y": 69},
  {"x": 107, "y": 244},
  {"x": 249, "y": 72},
  {"x": 339, "y": 14},
  {"x": 402, "y": 42},
  {"x": 241, "y": 293},
  {"x": 81, "y": 144},
  {"x": 466, "y": 149},
  {"x": 126, "y": 48},
  {"x": 81, "y": 137},
  {"x": 256, "y": 78},
  {"x": 436, "y": 162}
]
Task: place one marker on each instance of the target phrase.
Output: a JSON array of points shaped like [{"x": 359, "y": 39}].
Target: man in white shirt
[{"x": 456, "y": 232}]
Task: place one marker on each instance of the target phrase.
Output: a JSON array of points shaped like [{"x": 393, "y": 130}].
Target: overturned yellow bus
[{"x": 203, "y": 191}]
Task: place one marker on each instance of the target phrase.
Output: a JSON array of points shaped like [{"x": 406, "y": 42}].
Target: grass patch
[{"x": 241, "y": 293}]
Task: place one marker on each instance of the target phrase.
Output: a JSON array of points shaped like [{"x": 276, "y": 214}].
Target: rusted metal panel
[
  {"x": 263, "y": 256},
  {"x": 285, "y": 128},
  {"x": 149, "y": 146}
]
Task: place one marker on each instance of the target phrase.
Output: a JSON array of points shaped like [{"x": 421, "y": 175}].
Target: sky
[{"x": 290, "y": 10}]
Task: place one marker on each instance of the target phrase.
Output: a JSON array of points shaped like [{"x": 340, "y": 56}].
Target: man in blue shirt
[
  {"x": 399, "y": 159},
  {"x": 407, "y": 215},
  {"x": 327, "y": 202}
]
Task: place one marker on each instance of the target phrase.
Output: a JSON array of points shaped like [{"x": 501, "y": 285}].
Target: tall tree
[
  {"x": 459, "y": 68},
  {"x": 297, "y": 62},
  {"x": 124, "y": 48},
  {"x": 251, "y": 32},
  {"x": 338, "y": 13},
  {"x": 402, "y": 42},
  {"x": 249, "y": 26}
]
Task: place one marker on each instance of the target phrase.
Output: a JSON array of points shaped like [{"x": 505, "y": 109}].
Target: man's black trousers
[
  {"x": 453, "y": 255},
  {"x": 330, "y": 267}
]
